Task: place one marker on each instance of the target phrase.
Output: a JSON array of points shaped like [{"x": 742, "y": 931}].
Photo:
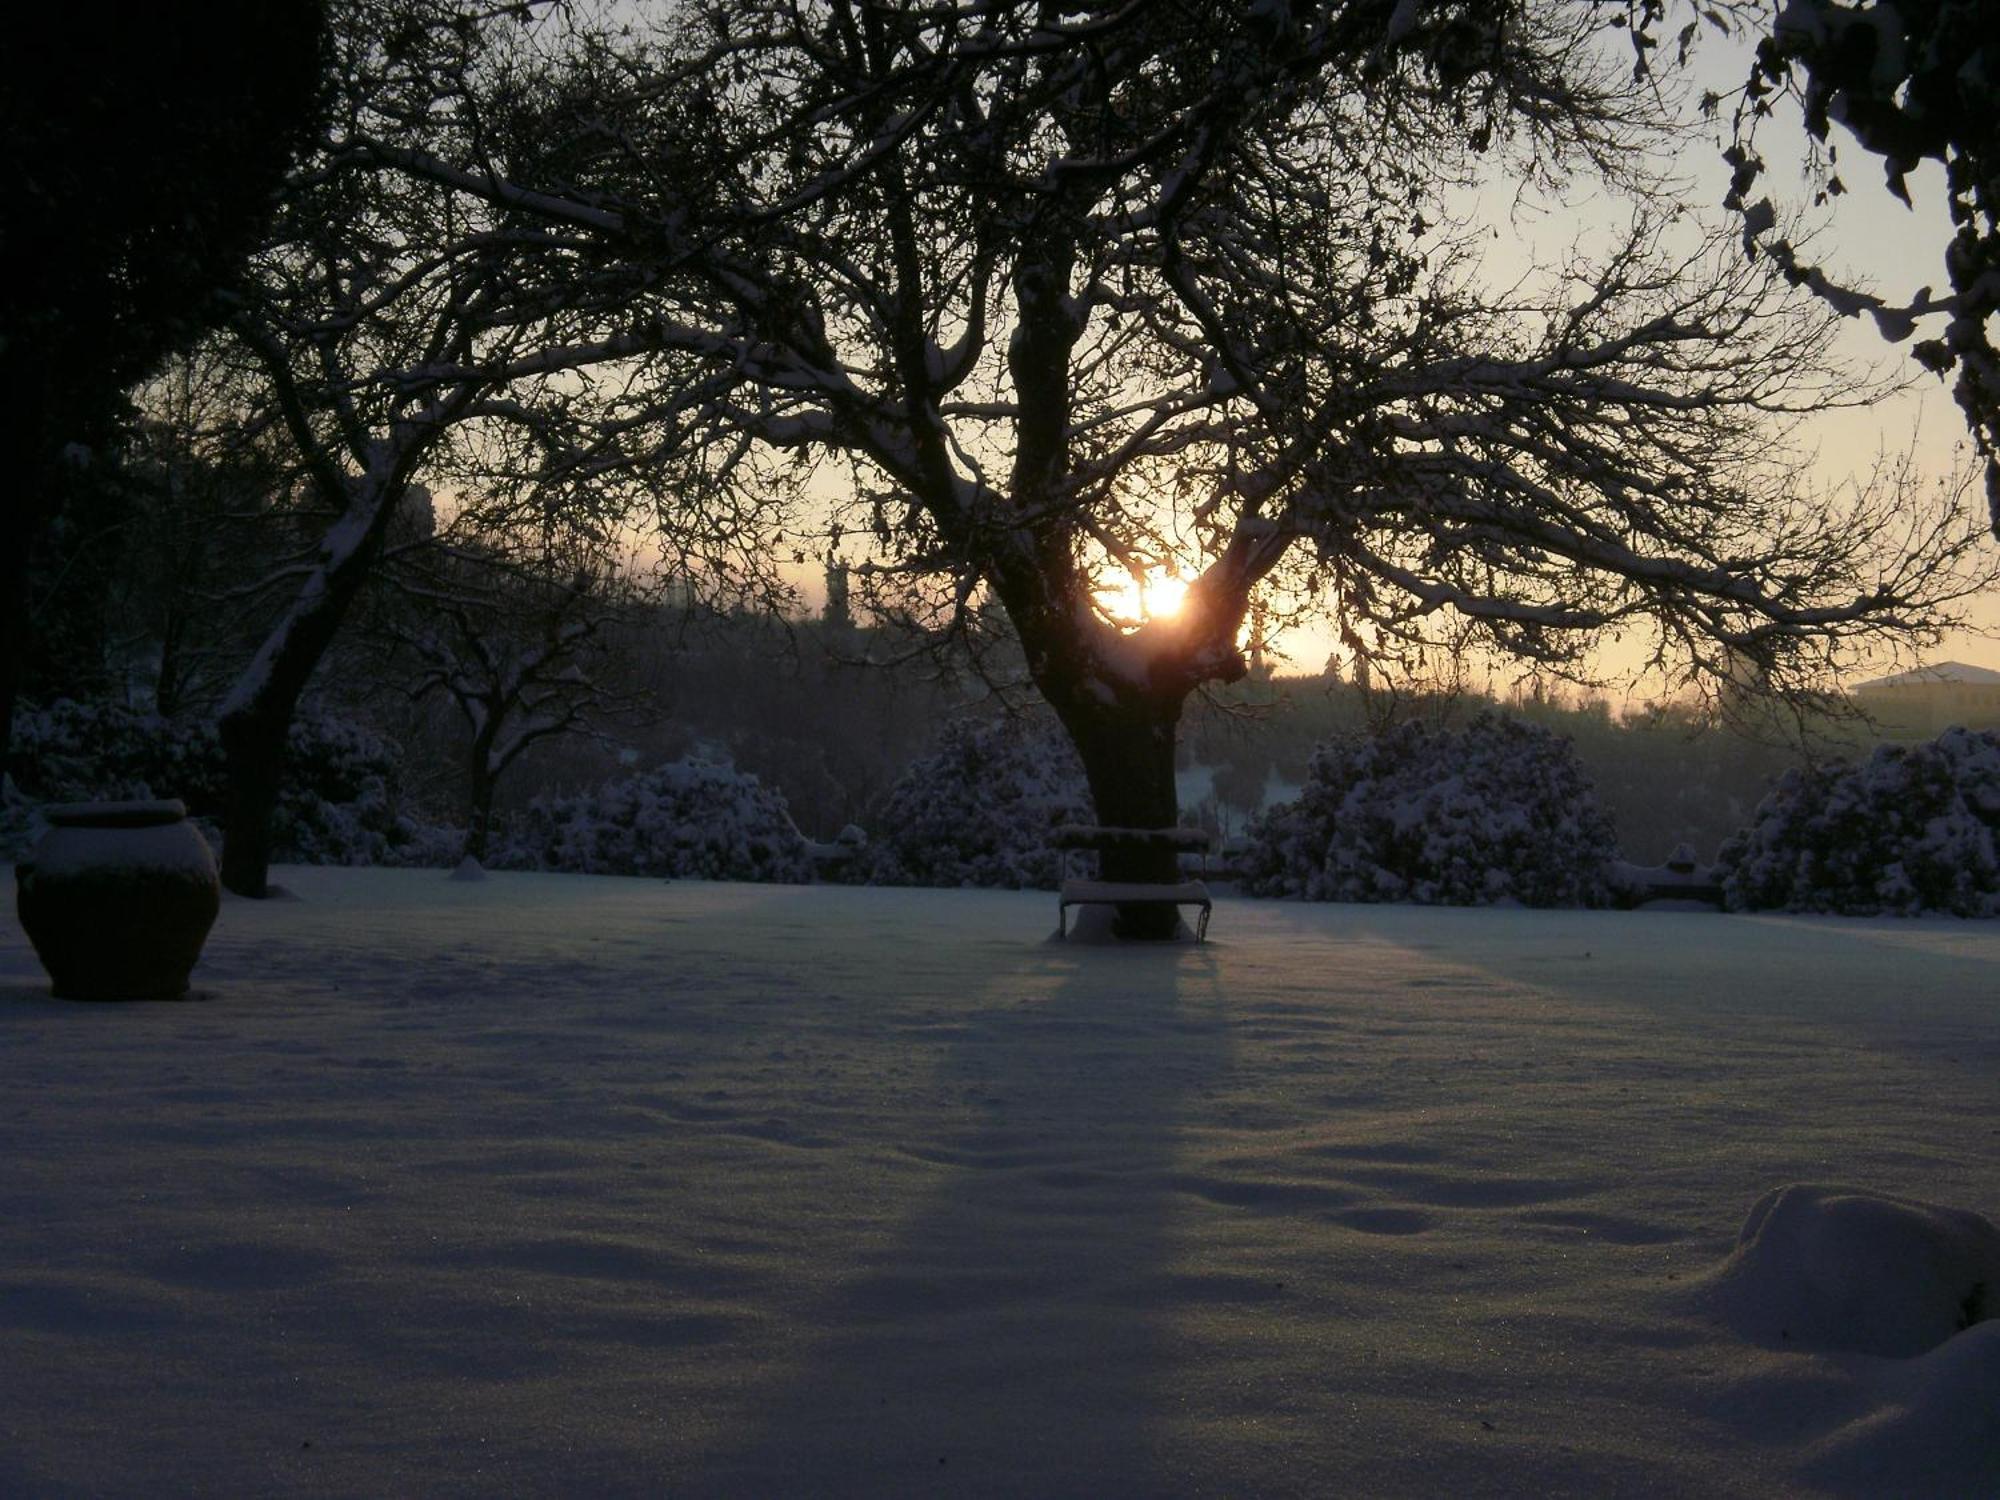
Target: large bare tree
[
  {"x": 1081, "y": 289},
  {"x": 408, "y": 342}
]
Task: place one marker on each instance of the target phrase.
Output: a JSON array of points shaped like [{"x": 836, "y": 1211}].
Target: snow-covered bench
[
  {"x": 1080, "y": 838},
  {"x": 1682, "y": 878},
  {"x": 832, "y": 861}
]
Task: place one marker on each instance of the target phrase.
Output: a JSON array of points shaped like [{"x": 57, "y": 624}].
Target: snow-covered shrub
[
  {"x": 337, "y": 800},
  {"x": 75, "y": 750},
  {"x": 1912, "y": 829},
  {"x": 981, "y": 809},
  {"x": 688, "y": 818},
  {"x": 1498, "y": 811}
]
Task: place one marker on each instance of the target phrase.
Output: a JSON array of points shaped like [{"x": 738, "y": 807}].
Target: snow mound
[
  {"x": 1935, "y": 1432},
  {"x": 467, "y": 869},
  {"x": 1831, "y": 1268}
]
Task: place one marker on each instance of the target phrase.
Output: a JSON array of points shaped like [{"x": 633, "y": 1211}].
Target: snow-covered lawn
[{"x": 560, "y": 1185}]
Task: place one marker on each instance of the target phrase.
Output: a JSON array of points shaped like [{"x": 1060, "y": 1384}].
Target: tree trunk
[
  {"x": 479, "y": 813},
  {"x": 168, "y": 685},
  {"x": 253, "y": 752},
  {"x": 1127, "y": 749},
  {"x": 257, "y": 718}
]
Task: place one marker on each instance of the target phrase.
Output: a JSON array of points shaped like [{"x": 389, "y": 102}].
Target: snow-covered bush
[
  {"x": 75, "y": 750},
  {"x": 337, "y": 801},
  {"x": 688, "y": 818},
  {"x": 981, "y": 809},
  {"x": 1912, "y": 829},
  {"x": 1498, "y": 811}
]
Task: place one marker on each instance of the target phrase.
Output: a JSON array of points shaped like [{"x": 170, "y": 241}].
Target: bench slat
[
  {"x": 1133, "y": 892},
  {"x": 1089, "y": 836}
]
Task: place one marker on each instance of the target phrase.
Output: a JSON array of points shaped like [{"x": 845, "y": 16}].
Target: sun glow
[{"x": 1133, "y": 601}]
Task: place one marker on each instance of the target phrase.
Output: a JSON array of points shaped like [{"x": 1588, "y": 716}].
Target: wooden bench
[
  {"x": 1079, "y": 838},
  {"x": 1681, "y": 878}
]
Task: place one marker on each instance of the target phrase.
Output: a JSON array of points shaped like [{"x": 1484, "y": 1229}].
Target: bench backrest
[{"x": 1077, "y": 836}]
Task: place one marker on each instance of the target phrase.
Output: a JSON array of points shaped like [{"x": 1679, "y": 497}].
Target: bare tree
[
  {"x": 403, "y": 329},
  {"x": 523, "y": 651},
  {"x": 1088, "y": 290}
]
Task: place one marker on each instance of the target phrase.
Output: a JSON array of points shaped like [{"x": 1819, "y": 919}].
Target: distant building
[
  {"x": 416, "y": 514},
  {"x": 1921, "y": 704},
  {"x": 838, "y": 612}
]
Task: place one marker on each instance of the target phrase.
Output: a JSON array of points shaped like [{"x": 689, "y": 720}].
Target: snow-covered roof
[{"x": 1944, "y": 671}]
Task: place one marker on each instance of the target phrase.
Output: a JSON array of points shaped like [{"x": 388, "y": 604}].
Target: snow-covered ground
[{"x": 561, "y": 1185}]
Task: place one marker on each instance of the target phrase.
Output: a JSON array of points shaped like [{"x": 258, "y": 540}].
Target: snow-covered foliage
[
  {"x": 337, "y": 804},
  {"x": 339, "y": 801},
  {"x": 20, "y": 827},
  {"x": 688, "y": 818},
  {"x": 77, "y": 750},
  {"x": 981, "y": 809},
  {"x": 1912, "y": 829},
  {"x": 1498, "y": 811}
]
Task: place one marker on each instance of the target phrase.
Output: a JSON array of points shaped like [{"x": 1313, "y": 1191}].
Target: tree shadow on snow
[{"x": 1009, "y": 1338}]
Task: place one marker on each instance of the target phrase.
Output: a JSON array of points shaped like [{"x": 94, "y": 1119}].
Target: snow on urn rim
[
  {"x": 115, "y": 814},
  {"x": 105, "y": 837}
]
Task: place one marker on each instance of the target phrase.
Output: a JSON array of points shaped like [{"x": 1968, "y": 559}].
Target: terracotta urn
[{"x": 118, "y": 898}]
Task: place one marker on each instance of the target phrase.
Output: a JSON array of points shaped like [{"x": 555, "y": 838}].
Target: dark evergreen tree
[{"x": 145, "y": 144}]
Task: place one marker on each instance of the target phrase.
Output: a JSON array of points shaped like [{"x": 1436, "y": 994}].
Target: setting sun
[{"x": 1131, "y": 601}]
